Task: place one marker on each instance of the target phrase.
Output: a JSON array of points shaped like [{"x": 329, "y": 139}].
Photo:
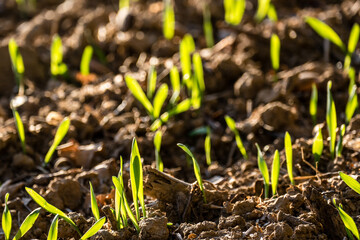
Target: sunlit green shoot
[
  {"x": 50, "y": 208},
  {"x": 234, "y": 11},
  {"x": 262, "y": 10},
  {"x": 85, "y": 60},
  {"x": 351, "y": 182},
  {"x": 272, "y": 15},
  {"x": 27, "y": 223},
  {"x": 207, "y": 26},
  {"x": 289, "y": 158},
  {"x": 275, "y": 171},
  {"x": 57, "y": 66},
  {"x": 264, "y": 170},
  {"x": 339, "y": 145},
  {"x": 351, "y": 105},
  {"x": 157, "y": 144},
  {"x": 207, "y": 146},
  {"x": 17, "y": 65},
  {"x": 313, "y": 103},
  {"x": 196, "y": 168},
  {"x": 352, "y": 76},
  {"x": 326, "y": 32},
  {"x": 53, "y": 231},
  {"x": 175, "y": 84},
  {"x": 347, "y": 220},
  {"x": 138, "y": 93},
  {"x": 317, "y": 147},
  {"x": 151, "y": 82},
  {"x": 187, "y": 46},
  {"x": 60, "y": 134},
  {"x": 331, "y": 120},
  {"x": 136, "y": 179},
  {"x": 353, "y": 40},
  {"x": 124, "y": 4},
  {"x": 6, "y": 220},
  {"x": 119, "y": 185},
  {"x": 231, "y": 124},
  {"x": 168, "y": 20},
  {"x": 275, "y": 51},
  {"x": 198, "y": 86},
  {"x": 120, "y": 209},
  {"x": 94, "y": 206},
  {"x": 20, "y": 128},
  {"x": 94, "y": 228},
  {"x": 159, "y": 99}
]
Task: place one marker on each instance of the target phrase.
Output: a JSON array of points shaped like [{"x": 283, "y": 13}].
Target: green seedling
[
  {"x": 317, "y": 147},
  {"x": 57, "y": 67},
  {"x": 136, "y": 179},
  {"x": 94, "y": 228},
  {"x": 234, "y": 11},
  {"x": 351, "y": 182},
  {"x": 339, "y": 145},
  {"x": 120, "y": 209},
  {"x": 17, "y": 65},
  {"x": 351, "y": 105},
  {"x": 53, "y": 231},
  {"x": 124, "y": 4},
  {"x": 94, "y": 206},
  {"x": 198, "y": 86},
  {"x": 331, "y": 119},
  {"x": 207, "y": 26},
  {"x": 275, "y": 172},
  {"x": 50, "y": 208},
  {"x": 262, "y": 10},
  {"x": 347, "y": 220},
  {"x": 151, "y": 82},
  {"x": 60, "y": 134},
  {"x": 196, "y": 168},
  {"x": 264, "y": 170},
  {"x": 157, "y": 144},
  {"x": 207, "y": 146},
  {"x": 20, "y": 128},
  {"x": 289, "y": 158},
  {"x": 353, "y": 40},
  {"x": 138, "y": 93},
  {"x": 27, "y": 223},
  {"x": 85, "y": 60},
  {"x": 119, "y": 185},
  {"x": 351, "y": 74},
  {"x": 313, "y": 103},
  {"x": 175, "y": 84},
  {"x": 272, "y": 15},
  {"x": 187, "y": 46},
  {"x": 159, "y": 99},
  {"x": 6, "y": 220},
  {"x": 168, "y": 20},
  {"x": 231, "y": 124},
  {"x": 275, "y": 51}
]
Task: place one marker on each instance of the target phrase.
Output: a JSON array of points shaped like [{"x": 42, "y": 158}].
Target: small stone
[{"x": 22, "y": 160}]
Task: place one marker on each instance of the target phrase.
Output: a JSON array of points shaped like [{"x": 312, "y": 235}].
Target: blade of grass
[
  {"x": 17, "y": 65},
  {"x": 347, "y": 220},
  {"x": 272, "y": 15},
  {"x": 151, "y": 82},
  {"x": 353, "y": 40},
  {"x": 351, "y": 105},
  {"x": 264, "y": 170},
  {"x": 94, "y": 228},
  {"x": 138, "y": 93},
  {"x": 207, "y": 146},
  {"x": 85, "y": 60},
  {"x": 317, "y": 147},
  {"x": 168, "y": 20},
  {"x": 27, "y": 223},
  {"x": 60, "y": 134},
  {"x": 159, "y": 99},
  {"x": 339, "y": 145},
  {"x": 175, "y": 83},
  {"x": 275, "y": 51},
  {"x": 289, "y": 159},
  {"x": 351, "y": 182},
  {"x": 231, "y": 124},
  {"x": 262, "y": 10},
  {"x": 157, "y": 144},
  {"x": 53, "y": 231},
  {"x": 313, "y": 103},
  {"x": 94, "y": 206},
  {"x": 331, "y": 119},
  {"x": 207, "y": 26},
  {"x": 6, "y": 220},
  {"x": 20, "y": 129},
  {"x": 275, "y": 172}
]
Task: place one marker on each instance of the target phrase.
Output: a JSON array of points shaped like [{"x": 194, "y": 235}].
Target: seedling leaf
[
  {"x": 138, "y": 93},
  {"x": 208, "y": 29},
  {"x": 263, "y": 7},
  {"x": 27, "y": 223},
  {"x": 331, "y": 119},
  {"x": 289, "y": 159},
  {"x": 275, "y": 171},
  {"x": 275, "y": 51},
  {"x": 272, "y": 15},
  {"x": 85, "y": 60},
  {"x": 207, "y": 147},
  {"x": 318, "y": 146},
  {"x": 353, "y": 40},
  {"x": 339, "y": 145},
  {"x": 264, "y": 170},
  {"x": 347, "y": 220},
  {"x": 231, "y": 124},
  {"x": 151, "y": 82},
  {"x": 234, "y": 11},
  {"x": 313, "y": 103},
  {"x": 20, "y": 129},
  {"x": 351, "y": 182},
  {"x": 6, "y": 219},
  {"x": 351, "y": 105},
  {"x": 169, "y": 20},
  {"x": 94, "y": 228},
  {"x": 60, "y": 134},
  {"x": 175, "y": 83},
  {"x": 17, "y": 65},
  {"x": 94, "y": 206},
  {"x": 53, "y": 231},
  {"x": 159, "y": 99},
  {"x": 157, "y": 144}
]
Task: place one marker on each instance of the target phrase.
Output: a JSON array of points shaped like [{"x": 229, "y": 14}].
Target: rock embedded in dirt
[
  {"x": 243, "y": 207},
  {"x": 277, "y": 231},
  {"x": 154, "y": 228},
  {"x": 23, "y": 161},
  {"x": 64, "y": 193},
  {"x": 231, "y": 221},
  {"x": 198, "y": 228}
]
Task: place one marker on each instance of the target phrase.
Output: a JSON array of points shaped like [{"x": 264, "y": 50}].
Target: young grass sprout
[
  {"x": 6, "y": 220},
  {"x": 264, "y": 170},
  {"x": 168, "y": 20},
  {"x": 351, "y": 105},
  {"x": 196, "y": 168},
  {"x": 339, "y": 145},
  {"x": 347, "y": 220},
  {"x": 60, "y": 134},
  {"x": 151, "y": 82},
  {"x": 353, "y": 40},
  {"x": 85, "y": 60},
  {"x": 175, "y": 84},
  {"x": 313, "y": 103},
  {"x": 57, "y": 67},
  {"x": 53, "y": 231},
  {"x": 351, "y": 182},
  {"x": 198, "y": 86},
  {"x": 17, "y": 65},
  {"x": 27, "y": 223},
  {"x": 187, "y": 46},
  {"x": 275, "y": 51},
  {"x": 331, "y": 119},
  {"x": 317, "y": 147},
  {"x": 231, "y": 124},
  {"x": 94, "y": 206},
  {"x": 272, "y": 15},
  {"x": 157, "y": 144},
  {"x": 207, "y": 26},
  {"x": 94, "y": 228},
  {"x": 234, "y": 11},
  {"x": 20, "y": 129},
  {"x": 289, "y": 158},
  {"x": 275, "y": 171},
  {"x": 262, "y": 10},
  {"x": 207, "y": 146}
]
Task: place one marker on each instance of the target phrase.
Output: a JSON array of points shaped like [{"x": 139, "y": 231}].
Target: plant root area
[{"x": 105, "y": 117}]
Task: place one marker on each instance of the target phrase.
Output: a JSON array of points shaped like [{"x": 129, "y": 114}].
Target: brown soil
[{"x": 239, "y": 82}]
